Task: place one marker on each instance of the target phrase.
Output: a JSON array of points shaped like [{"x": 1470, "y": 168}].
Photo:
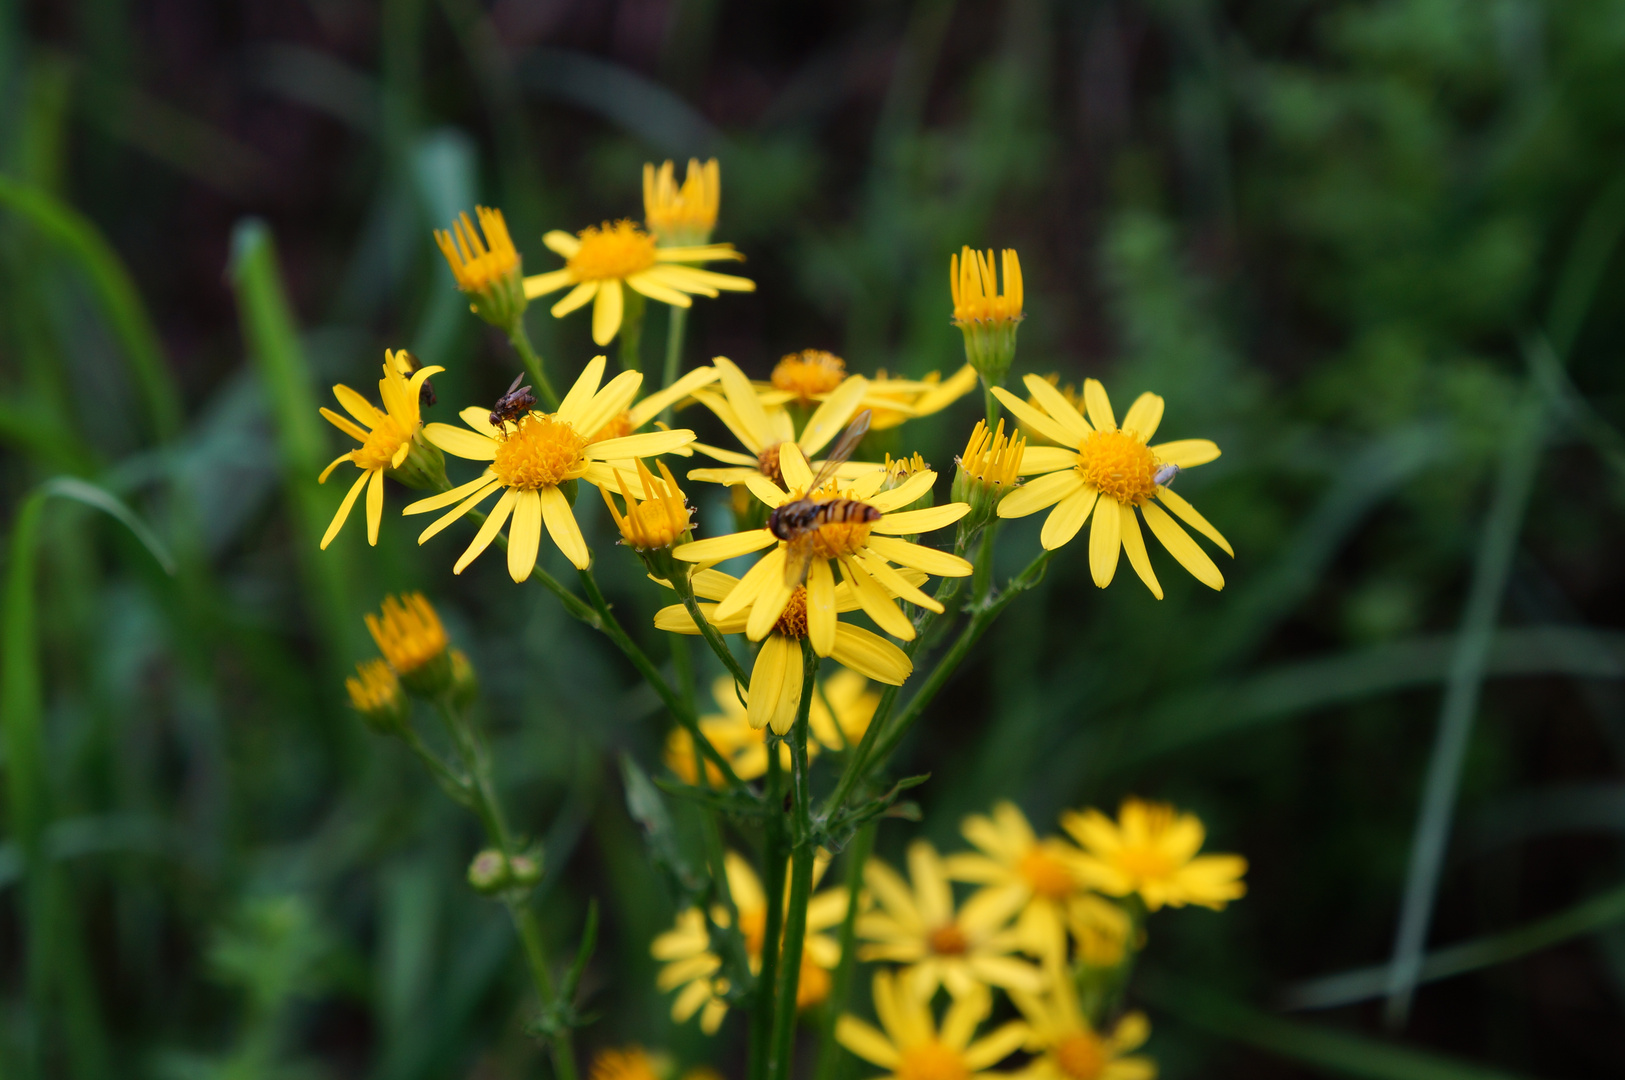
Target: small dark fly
[{"x": 512, "y": 405}]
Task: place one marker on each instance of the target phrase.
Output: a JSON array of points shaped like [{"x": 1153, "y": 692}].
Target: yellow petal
[
  {"x": 489, "y": 484},
  {"x": 488, "y": 531},
  {"x": 903, "y": 494},
  {"x": 344, "y": 424},
  {"x": 606, "y": 312},
  {"x": 344, "y": 510},
  {"x": 1105, "y": 541},
  {"x": 798, "y": 475},
  {"x": 870, "y": 655},
  {"x": 562, "y": 527},
  {"x": 894, "y": 583},
  {"x": 1181, "y": 546},
  {"x": 905, "y": 522},
  {"x": 1047, "y": 459},
  {"x": 1186, "y": 453},
  {"x": 446, "y": 498},
  {"x": 1067, "y": 518},
  {"x": 651, "y": 286},
  {"x": 876, "y": 601},
  {"x": 1144, "y": 416},
  {"x": 657, "y": 402},
  {"x": 1134, "y": 544},
  {"x": 357, "y": 406},
  {"x": 770, "y": 568},
  {"x": 1035, "y": 495},
  {"x": 575, "y": 298},
  {"x": 775, "y": 685},
  {"x": 561, "y": 243},
  {"x": 821, "y": 607},
  {"x": 933, "y": 562},
  {"x": 537, "y": 285},
  {"x": 717, "y": 548},
  {"x": 608, "y": 403},
  {"x": 1034, "y": 419},
  {"x": 331, "y": 465},
  {"x": 1187, "y": 513},
  {"x": 375, "y": 506},
  {"x": 461, "y": 442},
  {"x": 1059, "y": 408},
  {"x": 525, "y": 535},
  {"x": 866, "y": 1043},
  {"x": 585, "y": 389},
  {"x": 1100, "y": 406},
  {"x": 746, "y": 406},
  {"x": 830, "y": 418}
]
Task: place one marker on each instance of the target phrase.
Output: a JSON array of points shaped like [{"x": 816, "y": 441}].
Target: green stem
[
  {"x": 520, "y": 338},
  {"x": 676, "y": 323},
  {"x": 991, "y": 403},
  {"x": 802, "y": 850},
  {"x": 982, "y": 580},
  {"x": 456, "y": 787},
  {"x": 773, "y": 844},
  {"x": 713, "y": 637},
  {"x": 631, "y": 329},
  {"x": 857, "y": 854}
]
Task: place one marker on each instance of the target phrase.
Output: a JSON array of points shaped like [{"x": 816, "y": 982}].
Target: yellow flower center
[
  {"x": 1119, "y": 465},
  {"x": 931, "y": 1061},
  {"x": 1081, "y": 1055},
  {"x": 948, "y": 940},
  {"x": 408, "y": 632},
  {"x": 767, "y": 463},
  {"x": 383, "y": 442},
  {"x": 618, "y": 427},
  {"x": 809, "y": 372},
  {"x": 793, "y": 623},
  {"x": 633, "y": 1063},
  {"x": 539, "y": 452},
  {"x": 1047, "y": 875},
  {"x": 613, "y": 251},
  {"x": 1145, "y": 863}
]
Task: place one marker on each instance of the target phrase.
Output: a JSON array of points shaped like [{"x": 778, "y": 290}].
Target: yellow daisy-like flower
[
  {"x": 864, "y": 551},
  {"x": 1038, "y": 877},
  {"x": 1112, "y": 471},
  {"x": 1151, "y": 850},
  {"x": 628, "y": 1063},
  {"x": 682, "y": 216},
  {"x": 386, "y": 436},
  {"x": 731, "y": 732},
  {"x": 776, "y": 679},
  {"x": 659, "y": 519},
  {"x": 966, "y": 951},
  {"x": 762, "y": 431},
  {"x": 531, "y": 459},
  {"x": 1101, "y": 929},
  {"x": 892, "y": 401},
  {"x": 912, "y": 1047},
  {"x": 408, "y": 632},
  {"x": 805, "y": 377},
  {"x": 1067, "y": 1045},
  {"x": 599, "y": 261},
  {"x": 690, "y": 964},
  {"x": 987, "y": 318}
]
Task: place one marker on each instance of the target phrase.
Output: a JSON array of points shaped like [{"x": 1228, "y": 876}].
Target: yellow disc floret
[
  {"x": 1047, "y": 875},
  {"x": 541, "y": 451},
  {"x": 408, "y": 632},
  {"x": 613, "y": 251},
  {"x": 1119, "y": 465},
  {"x": 808, "y": 373},
  {"x": 793, "y": 622},
  {"x": 384, "y": 441}
]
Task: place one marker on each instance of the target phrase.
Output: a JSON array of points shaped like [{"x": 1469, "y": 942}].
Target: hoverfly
[
  {"x": 512, "y": 405},
  {"x": 1165, "y": 475},
  {"x": 797, "y": 521}
]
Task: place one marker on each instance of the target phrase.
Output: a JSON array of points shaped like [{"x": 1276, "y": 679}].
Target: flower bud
[
  {"x": 655, "y": 525},
  {"x": 409, "y": 634},
  {"x": 526, "y": 870},
  {"x": 375, "y": 693},
  {"x": 488, "y": 873},
  {"x": 988, "y": 469},
  {"x": 682, "y": 216},
  {"x": 487, "y": 270},
  {"x": 987, "y": 319}
]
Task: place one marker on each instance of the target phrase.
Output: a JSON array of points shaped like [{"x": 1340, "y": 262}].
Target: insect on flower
[
  {"x": 1165, "y": 475},
  {"x": 798, "y": 521},
  {"x": 513, "y": 404}
]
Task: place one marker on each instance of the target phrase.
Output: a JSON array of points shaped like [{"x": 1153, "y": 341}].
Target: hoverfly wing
[
  {"x": 797, "y": 557},
  {"x": 848, "y": 442}
]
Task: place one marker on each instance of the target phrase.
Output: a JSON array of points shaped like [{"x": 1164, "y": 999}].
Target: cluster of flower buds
[{"x": 491, "y": 873}]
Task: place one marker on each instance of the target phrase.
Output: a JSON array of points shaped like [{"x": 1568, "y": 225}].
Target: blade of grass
[
  {"x": 1502, "y": 526},
  {"x": 126, "y": 315},
  {"x": 1364, "y": 984},
  {"x": 1337, "y": 1053}
]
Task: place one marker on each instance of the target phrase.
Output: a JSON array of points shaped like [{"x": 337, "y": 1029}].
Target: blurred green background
[{"x": 1370, "y": 246}]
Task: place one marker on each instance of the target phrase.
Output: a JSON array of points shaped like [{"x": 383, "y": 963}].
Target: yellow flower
[
  {"x": 1111, "y": 470},
  {"x": 762, "y": 431},
  {"x": 807, "y": 376},
  {"x": 842, "y": 709},
  {"x": 488, "y": 269},
  {"x": 600, "y": 261},
  {"x": 660, "y": 519},
  {"x": 409, "y": 634},
  {"x": 386, "y": 436},
  {"x": 864, "y": 551},
  {"x": 689, "y": 962},
  {"x": 628, "y": 1063},
  {"x": 893, "y": 401},
  {"x": 987, "y": 319},
  {"x": 966, "y": 951},
  {"x": 682, "y": 216},
  {"x": 731, "y": 732},
  {"x": 634, "y": 419},
  {"x": 1069, "y": 1048},
  {"x": 912, "y": 1047},
  {"x": 1101, "y": 929},
  {"x": 1038, "y": 877},
  {"x": 776, "y": 678},
  {"x": 987, "y": 471},
  {"x": 1151, "y": 850},
  {"x": 375, "y": 693},
  {"x": 532, "y": 459}
]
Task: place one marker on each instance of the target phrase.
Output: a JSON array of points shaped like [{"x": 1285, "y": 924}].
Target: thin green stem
[
  {"x": 857, "y": 854},
  {"x": 713, "y": 637},
  {"x": 991, "y": 403},
  {"x": 520, "y": 339},
  {"x": 676, "y": 324},
  {"x": 456, "y": 787},
  {"x": 773, "y": 855},
  {"x": 631, "y": 329},
  {"x": 982, "y": 580},
  {"x": 802, "y": 850}
]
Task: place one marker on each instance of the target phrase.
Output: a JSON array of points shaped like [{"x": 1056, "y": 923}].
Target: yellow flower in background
[
  {"x": 1067, "y": 1045},
  {"x": 762, "y": 431},
  {"x": 916, "y": 925},
  {"x": 1152, "y": 850},
  {"x": 912, "y": 1047},
  {"x": 531, "y": 460},
  {"x": 777, "y": 676},
  {"x": 731, "y": 732},
  {"x": 682, "y": 216},
  {"x": 488, "y": 269},
  {"x": 804, "y": 377},
  {"x": 629, "y": 1063},
  {"x": 987, "y": 318},
  {"x": 842, "y": 709},
  {"x": 386, "y": 436},
  {"x": 375, "y": 693},
  {"x": 1101, "y": 929},
  {"x": 408, "y": 632},
  {"x": 690, "y": 964},
  {"x": 1038, "y": 877},
  {"x": 600, "y": 261},
  {"x": 1110, "y": 470},
  {"x": 865, "y": 551},
  {"x": 893, "y": 401}
]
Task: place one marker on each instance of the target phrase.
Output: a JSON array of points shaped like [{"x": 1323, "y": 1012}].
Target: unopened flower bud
[
  {"x": 989, "y": 469},
  {"x": 488, "y": 873},
  {"x": 526, "y": 869},
  {"x": 375, "y": 693},
  {"x": 653, "y": 525},
  {"x": 487, "y": 270},
  {"x": 682, "y": 215},
  {"x": 409, "y": 634}
]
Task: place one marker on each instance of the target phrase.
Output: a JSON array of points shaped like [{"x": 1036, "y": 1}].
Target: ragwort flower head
[
  {"x": 375, "y": 693},
  {"x": 1069, "y": 1048},
  {"x": 408, "y": 632},
  {"x": 865, "y": 552},
  {"x": 777, "y": 676},
  {"x": 1114, "y": 472},
  {"x": 534, "y": 461},
  {"x": 916, "y": 925},
  {"x": 987, "y": 318},
  {"x": 1152, "y": 850},
  {"x": 487, "y": 269},
  {"x": 1039, "y": 877},
  {"x": 911, "y": 1046},
  {"x": 682, "y": 215},
  {"x": 390, "y": 441},
  {"x": 601, "y": 260}
]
